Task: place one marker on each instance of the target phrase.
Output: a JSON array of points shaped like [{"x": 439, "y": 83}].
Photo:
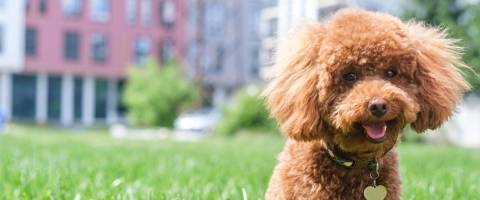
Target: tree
[
  {"x": 461, "y": 20},
  {"x": 155, "y": 95},
  {"x": 246, "y": 111}
]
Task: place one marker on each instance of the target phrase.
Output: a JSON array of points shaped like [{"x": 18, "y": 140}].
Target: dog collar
[
  {"x": 374, "y": 191},
  {"x": 343, "y": 161}
]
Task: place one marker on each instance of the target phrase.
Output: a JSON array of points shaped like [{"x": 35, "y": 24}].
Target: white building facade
[
  {"x": 293, "y": 12},
  {"x": 268, "y": 33},
  {"x": 12, "y": 29}
]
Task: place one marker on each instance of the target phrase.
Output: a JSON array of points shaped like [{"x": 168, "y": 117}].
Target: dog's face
[{"x": 359, "y": 79}]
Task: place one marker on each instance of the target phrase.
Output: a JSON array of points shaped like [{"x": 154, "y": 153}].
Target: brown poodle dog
[{"x": 343, "y": 92}]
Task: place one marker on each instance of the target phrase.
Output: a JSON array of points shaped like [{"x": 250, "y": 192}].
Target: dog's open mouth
[{"x": 376, "y": 131}]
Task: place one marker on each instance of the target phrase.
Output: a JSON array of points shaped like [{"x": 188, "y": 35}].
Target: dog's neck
[{"x": 348, "y": 161}]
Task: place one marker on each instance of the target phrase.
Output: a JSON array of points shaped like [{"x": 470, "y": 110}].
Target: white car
[{"x": 201, "y": 121}]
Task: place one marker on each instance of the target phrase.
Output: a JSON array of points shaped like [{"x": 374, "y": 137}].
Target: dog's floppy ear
[
  {"x": 292, "y": 96},
  {"x": 440, "y": 83}
]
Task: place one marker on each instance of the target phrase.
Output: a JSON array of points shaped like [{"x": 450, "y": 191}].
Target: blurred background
[{"x": 159, "y": 74}]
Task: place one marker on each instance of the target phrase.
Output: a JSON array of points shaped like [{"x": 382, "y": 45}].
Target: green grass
[{"x": 43, "y": 163}]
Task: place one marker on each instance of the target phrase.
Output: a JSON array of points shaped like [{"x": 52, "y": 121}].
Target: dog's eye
[
  {"x": 390, "y": 73},
  {"x": 350, "y": 76}
]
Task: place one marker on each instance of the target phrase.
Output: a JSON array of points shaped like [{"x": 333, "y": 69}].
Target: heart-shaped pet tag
[{"x": 375, "y": 193}]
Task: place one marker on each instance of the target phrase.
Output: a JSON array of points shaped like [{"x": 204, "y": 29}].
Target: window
[
  {"x": 99, "y": 47},
  {"x": 167, "y": 12},
  {"x": 141, "y": 49},
  {"x": 270, "y": 55},
  {"x": 255, "y": 62},
  {"x": 271, "y": 3},
  {"x": 131, "y": 10},
  {"x": 215, "y": 17},
  {"x": 31, "y": 41},
  {"x": 100, "y": 10},
  {"x": 71, "y": 45},
  {"x": 23, "y": 96},
  {"x": 219, "y": 59},
  {"x": 27, "y": 4},
  {"x": 272, "y": 27},
  {"x": 101, "y": 99},
  {"x": 54, "y": 98},
  {"x": 72, "y": 8},
  {"x": 121, "y": 107},
  {"x": 42, "y": 6},
  {"x": 146, "y": 12},
  {"x": 166, "y": 50},
  {"x": 77, "y": 98},
  {"x": 2, "y": 40}
]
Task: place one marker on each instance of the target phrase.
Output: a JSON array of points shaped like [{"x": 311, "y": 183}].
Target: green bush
[
  {"x": 246, "y": 111},
  {"x": 155, "y": 95},
  {"x": 410, "y": 136}
]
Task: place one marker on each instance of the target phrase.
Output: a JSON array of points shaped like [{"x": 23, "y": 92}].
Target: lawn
[{"x": 43, "y": 163}]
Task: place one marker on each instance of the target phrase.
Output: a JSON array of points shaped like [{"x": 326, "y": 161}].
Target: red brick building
[{"x": 77, "y": 53}]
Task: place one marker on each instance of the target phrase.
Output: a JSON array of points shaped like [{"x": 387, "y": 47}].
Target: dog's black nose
[{"x": 377, "y": 107}]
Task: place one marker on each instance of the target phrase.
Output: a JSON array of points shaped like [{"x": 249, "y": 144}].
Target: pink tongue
[{"x": 375, "y": 131}]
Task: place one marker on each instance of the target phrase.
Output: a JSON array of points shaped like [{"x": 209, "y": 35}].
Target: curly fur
[{"x": 313, "y": 103}]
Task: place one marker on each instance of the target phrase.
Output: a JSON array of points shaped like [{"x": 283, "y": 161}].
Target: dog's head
[{"x": 362, "y": 77}]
